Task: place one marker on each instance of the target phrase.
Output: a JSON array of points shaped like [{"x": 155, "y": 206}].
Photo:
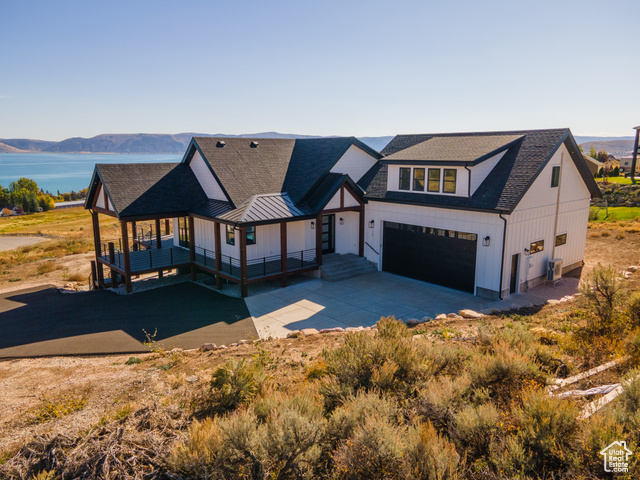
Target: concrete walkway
[{"x": 361, "y": 301}]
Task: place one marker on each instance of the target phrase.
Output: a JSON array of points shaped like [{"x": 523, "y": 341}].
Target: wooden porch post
[
  {"x": 167, "y": 228},
  {"x": 97, "y": 248},
  {"x": 283, "y": 253},
  {"x": 134, "y": 236},
  {"x": 218, "y": 254},
  {"x": 159, "y": 242},
  {"x": 192, "y": 248},
  {"x": 361, "y": 232},
  {"x": 319, "y": 239},
  {"x": 125, "y": 256},
  {"x": 112, "y": 260},
  {"x": 243, "y": 262}
]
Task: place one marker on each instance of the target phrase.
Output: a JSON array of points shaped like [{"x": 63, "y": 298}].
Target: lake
[{"x": 65, "y": 171}]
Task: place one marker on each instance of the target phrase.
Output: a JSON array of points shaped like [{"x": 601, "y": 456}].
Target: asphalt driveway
[{"x": 42, "y": 321}]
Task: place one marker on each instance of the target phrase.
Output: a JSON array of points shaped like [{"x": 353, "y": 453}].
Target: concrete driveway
[
  {"x": 361, "y": 301},
  {"x": 42, "y": 321}
]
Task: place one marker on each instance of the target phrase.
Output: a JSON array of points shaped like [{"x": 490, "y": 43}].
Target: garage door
[{"x": 443, "y": 257}]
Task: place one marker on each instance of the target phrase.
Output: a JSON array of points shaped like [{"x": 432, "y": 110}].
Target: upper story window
[
  {"x": 449, "y": 183},
  {"x": 434, "y": 180},
  {"x": 418, "y": 179},
  {"x": 555, "y": 176},
  {"x": 405, "y": 179}
]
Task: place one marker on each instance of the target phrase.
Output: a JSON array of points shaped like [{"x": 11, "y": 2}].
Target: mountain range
[{"x": 141, "y": 143}]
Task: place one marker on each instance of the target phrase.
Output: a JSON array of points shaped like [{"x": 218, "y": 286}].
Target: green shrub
[
  {"x": 601, "y": 288},
  {"x": 388, "y": 361},
  {"x": 633, "y": 309},
  {"x": 504, "y": 373},
  {"x": 430, "y": 456},
  {"x": 235, "y": 383},
  {"x": 132, "y": 361},
  {"x": 597, "y": 432},
  {"x": 440, "y": 397}
]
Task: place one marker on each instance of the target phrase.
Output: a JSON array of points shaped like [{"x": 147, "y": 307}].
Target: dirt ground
[{"x": 107, "y": 384}]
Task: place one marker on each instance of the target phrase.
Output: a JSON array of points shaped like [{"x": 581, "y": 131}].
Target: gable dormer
[{"x": 446, "y": 165}]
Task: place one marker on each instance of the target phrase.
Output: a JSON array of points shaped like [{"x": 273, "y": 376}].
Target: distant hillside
[
  {"x": 142, "y": 143},
  {"x": 618, "y": 147}
]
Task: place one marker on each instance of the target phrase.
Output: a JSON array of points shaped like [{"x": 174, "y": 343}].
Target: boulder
[
  {"x": 442, "y": 316},
  {"x": 309, "y": 331},
  {"x": 332, "y": 330},
  {"x": 632, "y": 268},
  {"x": 192, "y": 379},
  {"x": 412, "y": 322},
  {"x": 466, "y": 313},
  {"x": 426, "y": 319},
  {"x": 294, "y": 334},
  {"x": 208, "y": 346},
  {"x": 244, "y": 341}
]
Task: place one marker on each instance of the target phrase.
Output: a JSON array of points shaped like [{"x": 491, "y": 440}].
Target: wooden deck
[{"x": 151, "y": 259}]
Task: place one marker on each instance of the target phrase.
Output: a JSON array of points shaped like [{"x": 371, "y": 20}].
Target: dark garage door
[{"x": 443, "y": 257}]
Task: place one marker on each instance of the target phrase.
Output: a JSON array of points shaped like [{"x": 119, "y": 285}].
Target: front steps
[{"x": 336, "y": 267}]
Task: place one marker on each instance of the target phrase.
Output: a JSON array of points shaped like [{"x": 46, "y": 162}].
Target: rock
[
  {"x": 208, "y": 346},
  {"x": 442, "y": 316},
  {"x": 309, "y": 331},
  {"x": 244, "y": 341},
  {"x": 221, "y": 347},
  {"x": 426, "y": 319},
  {"x": 552, "y": 302},
  {"x": 491, "y": 311},
  {"x": 412, "y": 322},
  {"x": 453, "y": 316},
  {"x": 466, "y": 313},
  {"x": 176, "y": 350},
  {"x": 627, "y": 274},
  {"x": 332, "y": 330},
  {"x": 632, "y": 268},
  {"x": 351, "y": 329},
  {"x": 293, "y": 334},
  {"x": 192, "y": 379},
  {"x": 233, "y": 344}
]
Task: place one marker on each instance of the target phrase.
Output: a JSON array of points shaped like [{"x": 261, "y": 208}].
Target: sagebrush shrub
[
  {"x": 476, "y": 427},
  {"x": 602, "y": 289},
  {"x": 430, "y": 456},
  {"x": 374, "y": 451},
  {"x": 440, "y": 397}
]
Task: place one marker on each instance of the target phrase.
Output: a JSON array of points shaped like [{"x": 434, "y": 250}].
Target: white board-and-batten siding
[
  {"x": 354, "y": 162},
  {"x": 300, "y": 236},
  {"x": 206, "y": 179},
  {"x": 488, "y": 259},
  {"x": 534, "y": 219}
]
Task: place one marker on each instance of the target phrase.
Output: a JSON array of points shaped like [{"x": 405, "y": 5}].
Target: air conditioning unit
[{"x": 554, "y": 271}]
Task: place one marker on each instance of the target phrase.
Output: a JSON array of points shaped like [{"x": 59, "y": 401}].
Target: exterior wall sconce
[
  {"x": 313, "y": 225},
  {"x": 371, "y": 224},
  {"x": 486, "y": 241},
  {"x": 341, "y": 221},
  {"x": 527, "y": 251}
]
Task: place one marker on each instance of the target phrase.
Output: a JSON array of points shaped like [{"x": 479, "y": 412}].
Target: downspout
[
  {"x": 504, "y": 244},
  {"x": 555, "y": 228},
  {"x": 469, "y": 183}
]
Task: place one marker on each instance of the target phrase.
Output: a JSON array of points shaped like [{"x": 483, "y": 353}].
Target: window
[
  {"x": 537, "y": 246},
  {"x": 555, "y": 177},
  {"x": 231, "y": 235},
  {"x": 251, "y": 235},
  {"x": 561, "y": 239},
  {"x": 405, "y": 179},
  {"x": 449, "y": 185},
  {"x": 434, "y": 180},
  {"x": 418, "y": 179}
]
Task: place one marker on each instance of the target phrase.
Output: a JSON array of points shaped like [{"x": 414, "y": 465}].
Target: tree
[
  {"x": 602, "y": 156},
  {"x": 592, "y": 152},
  {"x": 5, "y": 199}
]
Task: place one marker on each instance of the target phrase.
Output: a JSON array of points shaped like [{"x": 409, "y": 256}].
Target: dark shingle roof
[
  {"x": 274, "y": 165},
  {"x": 142, "y": 189},
  {"x": 466, "y": 148},
  {"x": 504, "y": 186}
]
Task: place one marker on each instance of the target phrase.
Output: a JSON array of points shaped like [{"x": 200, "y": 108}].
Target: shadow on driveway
[{"x": 42, "y": 321}]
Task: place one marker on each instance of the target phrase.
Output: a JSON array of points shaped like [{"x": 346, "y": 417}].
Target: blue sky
[{"x": 365, "y": 68}]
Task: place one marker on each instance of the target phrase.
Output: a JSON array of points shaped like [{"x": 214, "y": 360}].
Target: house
[
  {"x": 480, "y": 212},
  {"x": 592, "y": 164},
  {"x": 625, "y": 165}
]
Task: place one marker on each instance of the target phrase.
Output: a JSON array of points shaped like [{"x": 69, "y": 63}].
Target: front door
[
  {"x": 328, "y": 233},
  {"x": 513, "y": 285}
]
